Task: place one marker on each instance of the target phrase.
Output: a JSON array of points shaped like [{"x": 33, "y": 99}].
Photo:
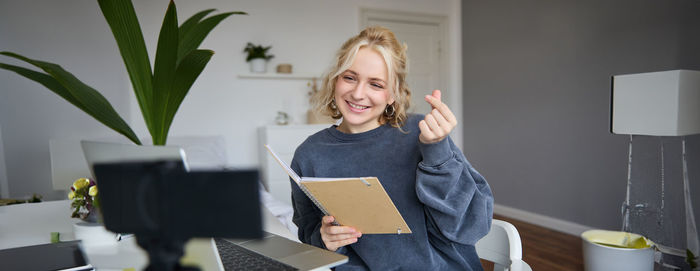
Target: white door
[{"x": 424, "y": 36}]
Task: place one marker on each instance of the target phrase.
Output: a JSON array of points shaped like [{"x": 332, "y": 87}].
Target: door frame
[{"x": 449, "y": 57}]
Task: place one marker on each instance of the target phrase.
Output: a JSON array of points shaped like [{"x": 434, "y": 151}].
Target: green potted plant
[
  {"x": 159, "y": 90},
  {"x": 84, "y": 201},
  {"x": 257, "y": 57}
]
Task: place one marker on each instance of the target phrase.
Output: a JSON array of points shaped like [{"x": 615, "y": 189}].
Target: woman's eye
[
  {"x": 349, "y": 78},
  {"x": 377, "y": 85}
]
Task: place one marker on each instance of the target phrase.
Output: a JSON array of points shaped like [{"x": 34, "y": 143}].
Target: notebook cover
[
  {"x": 352, "y": 202},
  {"x": 358, "y": 202}
]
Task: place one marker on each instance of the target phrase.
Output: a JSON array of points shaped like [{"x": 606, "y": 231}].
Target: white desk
[{"x": 32, "y": 224}]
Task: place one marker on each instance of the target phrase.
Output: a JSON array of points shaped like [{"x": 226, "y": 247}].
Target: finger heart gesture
[{"x": 438, "y": 123}]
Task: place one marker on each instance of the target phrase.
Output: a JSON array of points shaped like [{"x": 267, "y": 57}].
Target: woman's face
[{"x": 362, "y": 92}]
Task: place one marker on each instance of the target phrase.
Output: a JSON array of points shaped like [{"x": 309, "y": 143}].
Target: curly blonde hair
[{"x": 383, "y": 41}]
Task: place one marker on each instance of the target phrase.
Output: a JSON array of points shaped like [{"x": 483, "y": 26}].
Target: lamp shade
[{"x": 663, "y": 103}]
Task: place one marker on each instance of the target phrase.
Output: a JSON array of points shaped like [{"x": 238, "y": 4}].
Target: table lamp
[{"x": 658, "y": 104}]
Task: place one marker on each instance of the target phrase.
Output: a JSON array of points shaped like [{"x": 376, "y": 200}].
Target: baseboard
[{"x": 541, "y": 220}]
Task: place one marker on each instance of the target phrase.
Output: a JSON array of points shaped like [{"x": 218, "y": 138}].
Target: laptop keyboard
[{"x": 235, "y": 257}]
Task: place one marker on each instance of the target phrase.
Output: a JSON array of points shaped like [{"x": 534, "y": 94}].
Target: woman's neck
[{"x": 349, "y": 129}]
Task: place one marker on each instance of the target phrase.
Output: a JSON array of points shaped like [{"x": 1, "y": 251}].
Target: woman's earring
[
  {"x": 389, "y": 113},
  {"x": 336, "y": 112}
]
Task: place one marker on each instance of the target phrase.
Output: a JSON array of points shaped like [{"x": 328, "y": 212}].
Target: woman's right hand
[{"x": 335, "y": 237}]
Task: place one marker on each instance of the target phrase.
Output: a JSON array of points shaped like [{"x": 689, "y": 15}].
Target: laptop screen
[{"x": 107, "y": 152}]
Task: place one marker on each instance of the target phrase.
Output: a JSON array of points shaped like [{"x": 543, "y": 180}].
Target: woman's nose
[{"x": 358, "y": 92}]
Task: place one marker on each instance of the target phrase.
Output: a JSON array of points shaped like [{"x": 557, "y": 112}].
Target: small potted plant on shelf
[{"x": 257, "y": 57}]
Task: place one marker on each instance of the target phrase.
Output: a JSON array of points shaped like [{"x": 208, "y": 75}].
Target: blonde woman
[{"x": 445, "y": 201}]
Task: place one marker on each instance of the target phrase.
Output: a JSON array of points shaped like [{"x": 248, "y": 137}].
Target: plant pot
[
  {"x": 258, "y": 65},
  {"x": 93, "y": 234},
  {"x": 597, "y": 256}
]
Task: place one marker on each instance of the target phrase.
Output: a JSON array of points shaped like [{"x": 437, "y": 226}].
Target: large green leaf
[
  {"x": 193, "y": 38},
  {"x": 192, "y": 21},
  {"x": 45, "y": 80},
  {"x": 164, "y": 71},
  {"x": 159, "y": 91},
  {"x": 121, "y": 17},
  {"x": 187, "y": 72},
  {"x": 74, "y": 91}
]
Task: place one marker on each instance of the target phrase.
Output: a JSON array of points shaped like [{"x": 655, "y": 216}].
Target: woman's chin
[{"x": 359, "y": 123}]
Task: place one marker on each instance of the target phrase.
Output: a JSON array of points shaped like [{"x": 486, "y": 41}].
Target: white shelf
[{"x": 290, "y": 76}]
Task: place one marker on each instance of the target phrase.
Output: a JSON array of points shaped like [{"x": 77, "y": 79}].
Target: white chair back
[{"x": 502, "y": 246}]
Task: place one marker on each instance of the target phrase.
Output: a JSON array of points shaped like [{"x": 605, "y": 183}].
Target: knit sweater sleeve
[
  {"x": 457, "y": 199},
  {"x": 307, "y": 216}
]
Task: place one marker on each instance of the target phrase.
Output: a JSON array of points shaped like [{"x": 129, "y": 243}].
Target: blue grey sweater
[{"x": 445, "y": 201}]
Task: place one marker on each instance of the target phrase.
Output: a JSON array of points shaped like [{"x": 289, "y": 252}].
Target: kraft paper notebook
[{"x": 359, "y": 202}]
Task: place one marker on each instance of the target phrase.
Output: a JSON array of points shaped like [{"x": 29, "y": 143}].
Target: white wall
[
  {"x": 307, "y": 35},
  {"x": 73, "y": 33}
]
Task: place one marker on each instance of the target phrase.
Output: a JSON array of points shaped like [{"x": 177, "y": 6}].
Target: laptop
[
  {"x": 107, "y": 152},
  {"x": 285, "y": 254},
  {"x": 212, "y": 254},
  {"x": 278, "y": 244}
]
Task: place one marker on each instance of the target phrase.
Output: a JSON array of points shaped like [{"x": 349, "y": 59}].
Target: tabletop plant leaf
[
  {"x": 121, "y": 17},
  {"x": 187, "y": 72},
  {"x": 74, "y": 91},
  {"x": 45, "y": 80},
  {"x": 192, "y": 21},
  {"x": 194, "y": 37},
  {"x": 164, "y": 72},
  {"x": 159, "y": 89}
]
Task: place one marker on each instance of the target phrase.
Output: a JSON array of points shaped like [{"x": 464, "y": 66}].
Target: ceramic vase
[
  {"x": 258, "y": 65},
  {"x": 92, "y": 232}
]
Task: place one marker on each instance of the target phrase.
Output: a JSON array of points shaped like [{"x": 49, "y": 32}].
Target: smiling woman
[
  {"x": 446, "y": 203},
  {"x": 361, "y": 94}
]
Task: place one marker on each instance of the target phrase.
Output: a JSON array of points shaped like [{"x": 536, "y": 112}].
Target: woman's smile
[{"x": 356, "y": 107}]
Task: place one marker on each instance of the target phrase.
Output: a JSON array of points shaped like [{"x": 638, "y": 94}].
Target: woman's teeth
[{"x": 357, "y": 106}]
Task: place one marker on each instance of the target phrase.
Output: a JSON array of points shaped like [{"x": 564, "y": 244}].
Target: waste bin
[{"x": 619, "y": 251}]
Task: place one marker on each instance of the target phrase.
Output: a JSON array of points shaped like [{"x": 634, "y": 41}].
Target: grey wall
[
  {"x": 689, "y": 56},
  {"x": 537, "y": 93}
]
